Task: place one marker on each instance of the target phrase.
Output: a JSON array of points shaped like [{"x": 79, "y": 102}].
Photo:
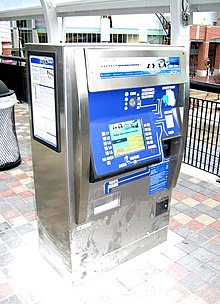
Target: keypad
[{"x": 107, "y": 146}]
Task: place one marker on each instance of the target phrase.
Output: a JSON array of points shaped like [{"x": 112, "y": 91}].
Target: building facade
[{"x": 205, "y": 50}]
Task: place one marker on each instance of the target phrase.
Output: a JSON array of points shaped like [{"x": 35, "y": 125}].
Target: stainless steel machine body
[{"x": 108, "y": 126}]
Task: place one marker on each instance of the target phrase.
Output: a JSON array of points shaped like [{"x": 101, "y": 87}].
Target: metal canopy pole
[
  {"x": 51, "y": 21},
  {"x": 180, "y": 19}
]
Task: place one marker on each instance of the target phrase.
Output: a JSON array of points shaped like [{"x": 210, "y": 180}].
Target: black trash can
[{"x": 9, "y": 150}]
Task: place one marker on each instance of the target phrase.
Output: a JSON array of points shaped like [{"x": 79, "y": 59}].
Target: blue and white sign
[
  {"x": 43, "y": 99},
  {"x": 158, "y": 177},
  {"x": 138, "y": 66}
]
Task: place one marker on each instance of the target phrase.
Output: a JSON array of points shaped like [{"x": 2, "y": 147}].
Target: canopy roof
[{"x": 31, "y": 9}]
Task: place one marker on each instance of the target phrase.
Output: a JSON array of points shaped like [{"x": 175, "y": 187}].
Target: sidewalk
[
  {"x": 183, "y": 270},
  {"x": 209, "y": 79},
  {"x": 202, "y": 94}
]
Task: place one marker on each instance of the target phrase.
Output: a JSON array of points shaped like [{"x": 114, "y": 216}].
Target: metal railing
[
  {"x": 15, "y": 59},
  {"x": 202, "y": 149}
]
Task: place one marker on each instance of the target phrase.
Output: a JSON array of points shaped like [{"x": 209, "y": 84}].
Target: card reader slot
[
  {"x": 171, "y": 146},
  {"x": 166, "y": 147}
]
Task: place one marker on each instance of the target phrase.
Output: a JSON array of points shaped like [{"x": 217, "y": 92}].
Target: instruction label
[
  {"x": 158, "y": 177},
  {"x": 43, "y": 100}
]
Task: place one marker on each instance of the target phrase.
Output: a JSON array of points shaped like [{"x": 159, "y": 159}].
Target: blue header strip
[{"x": 140, "y": 73}]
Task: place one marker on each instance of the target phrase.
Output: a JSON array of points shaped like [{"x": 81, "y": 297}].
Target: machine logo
[
  {"x": 156, "y": 66},
  {"x": 46, "y": 61}
]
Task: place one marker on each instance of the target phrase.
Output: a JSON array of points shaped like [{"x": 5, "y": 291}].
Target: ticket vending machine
[{"x": 108, "y": 129}]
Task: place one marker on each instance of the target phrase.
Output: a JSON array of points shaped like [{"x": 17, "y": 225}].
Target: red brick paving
[
  {"x": 195, "y": 225},
  {"x": 178, "y": 196},
  {"x": 215, "y": 225},
  {"x": 7, "y": 193},
  {"x": 175, "y": 271},
  {"x": 4, "y": 175},
  {"x": 22, "y": 176},
  {"x": 194, "y": 180},
  {"x": 178, "y": 293},
  {"x": 209, "y": 294},
  {"x": 173, "y": 224},
  {"x": 14, "y": 184},
  {"x": 216, "y": 197},
  {"x": 11, "y": 214},
  {"x": 30, "y": 216},
  {"x": 5, "y": 290},
  {"x": 217, "y": 239},
  {"x": 25, "y": 194},
  {"x": 199, "y": 197}
]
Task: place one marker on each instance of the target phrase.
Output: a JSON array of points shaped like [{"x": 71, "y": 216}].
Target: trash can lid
[{"x": 4, "y": 91}]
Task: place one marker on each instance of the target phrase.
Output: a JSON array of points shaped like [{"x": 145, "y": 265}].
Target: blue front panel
[{"x": 127, "y": 127}]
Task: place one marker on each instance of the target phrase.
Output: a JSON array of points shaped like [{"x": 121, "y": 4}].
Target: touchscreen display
[{"x": 127, "y": 137}]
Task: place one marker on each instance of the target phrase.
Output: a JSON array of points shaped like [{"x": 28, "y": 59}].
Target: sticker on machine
[
  {"x": 158, "y": 177},
  {"x": 138, "y": 66}
]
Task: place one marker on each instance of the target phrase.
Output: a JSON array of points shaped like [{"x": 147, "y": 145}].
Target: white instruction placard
[{"x": 43, "y": 99}]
